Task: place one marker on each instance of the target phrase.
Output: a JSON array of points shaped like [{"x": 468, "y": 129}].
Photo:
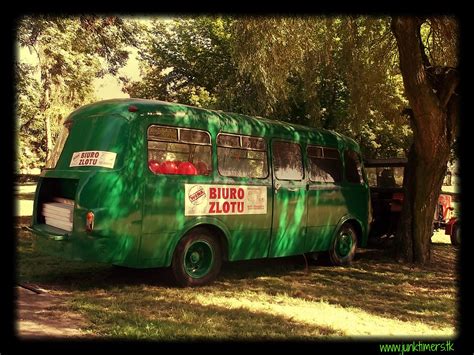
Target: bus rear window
[{"x": 58, "y": 148}]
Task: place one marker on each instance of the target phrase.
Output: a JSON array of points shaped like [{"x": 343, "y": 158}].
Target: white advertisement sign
[
  {"x": 93, "y": 158},
  {"x": 203, "y": 199}
]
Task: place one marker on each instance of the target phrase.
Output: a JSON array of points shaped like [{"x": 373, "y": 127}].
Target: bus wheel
[
  {"x": 456, "y": 235},
  {"x": 344, "y": 245},
  {"x": 197, "y": 259}
]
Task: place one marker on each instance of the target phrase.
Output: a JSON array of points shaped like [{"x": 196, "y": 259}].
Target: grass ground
[{"x": 260, "y": 299}]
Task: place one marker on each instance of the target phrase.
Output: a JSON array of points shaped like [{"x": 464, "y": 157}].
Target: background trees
[
  {"x": 67, "y": 55},
  {"x": 335, "y": 73},
  {"x": 189, "y": 60}
]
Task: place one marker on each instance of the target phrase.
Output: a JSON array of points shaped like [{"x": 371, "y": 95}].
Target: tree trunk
[
  {"x": 434, "y": 112},
  {"x": 45, "y": 101},
  {"x": 422, "y": 185},
  {"x": 49, "y": 138}
]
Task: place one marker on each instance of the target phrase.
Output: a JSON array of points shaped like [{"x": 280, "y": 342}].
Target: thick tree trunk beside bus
[
  {"x": 434, "y": 108},
  {"x": 416, "y": 225}
]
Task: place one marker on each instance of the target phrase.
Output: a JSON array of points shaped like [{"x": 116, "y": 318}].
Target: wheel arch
[
  {"x": 357, "y": 225},
  {"x": 214, "y": 226}
]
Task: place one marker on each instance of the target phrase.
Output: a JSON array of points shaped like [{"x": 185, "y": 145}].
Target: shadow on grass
[
  {"x": 29, "y": 196},
  {"x": 27, "y": 179},
  {"x": 36, "y": 267},
  {"x": 374, "y": 283},
  {"x": 22, "y": 221},
  {"x": 175, "y": 316}
]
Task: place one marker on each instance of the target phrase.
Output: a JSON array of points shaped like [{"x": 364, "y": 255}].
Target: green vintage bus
[{"x": 145, "y": 184}]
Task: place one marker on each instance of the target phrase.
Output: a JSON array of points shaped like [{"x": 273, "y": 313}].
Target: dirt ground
[{"x": 43, "y": 316}]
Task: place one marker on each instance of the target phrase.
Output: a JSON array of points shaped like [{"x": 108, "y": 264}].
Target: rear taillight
[{"x": 90, "y": 221}]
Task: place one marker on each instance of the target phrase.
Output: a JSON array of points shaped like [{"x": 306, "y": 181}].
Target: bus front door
[{"x": 289, "y": 200}]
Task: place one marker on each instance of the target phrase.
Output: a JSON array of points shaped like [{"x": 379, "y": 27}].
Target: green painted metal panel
[{"x": 140, "y": 217}]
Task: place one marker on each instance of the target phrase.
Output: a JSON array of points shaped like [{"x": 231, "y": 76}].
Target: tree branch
[
  {"x": 449, "y": 86},
  {"x": 418, "y": 87}
]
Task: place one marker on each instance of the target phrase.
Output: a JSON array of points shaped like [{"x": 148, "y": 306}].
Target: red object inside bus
[
  {"x": 201, "y": 168},
  {"x": 169, "y": 167},
  {"x": 154, "y": 166},
  {"x": 187, "y": 168}
]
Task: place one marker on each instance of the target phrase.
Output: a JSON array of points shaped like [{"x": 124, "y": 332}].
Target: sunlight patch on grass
[
  {"x": 350, "y": 321},
  {"x": 175, "y": 315},
  {"x": 24, "y": 208},
  {"x": 440, "y": 237}
]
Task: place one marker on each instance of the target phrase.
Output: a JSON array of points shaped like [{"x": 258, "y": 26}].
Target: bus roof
[{"x": 145, "y": 107}]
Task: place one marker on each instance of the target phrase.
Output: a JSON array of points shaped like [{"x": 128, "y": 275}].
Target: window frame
[
  {"x": 303, "y": 177},
  {"x": 362, "y": 176},
  {"x": 178, "y": 141},
  {"x": 241, "y": 148},
  {"x": 339, "y": 159},
  {"x": 179, "y": 134}
]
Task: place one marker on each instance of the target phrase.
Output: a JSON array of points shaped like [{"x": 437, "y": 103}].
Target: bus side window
[
  {"x": 241, "y": 156},
  {"x": 353, "y": 167},
  {"x": 287, "y": 161},
  {"x": 325, "y": 164},
  {"x": 181, "y": 151}
]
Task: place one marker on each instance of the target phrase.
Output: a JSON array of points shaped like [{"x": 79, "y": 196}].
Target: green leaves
[
  {"x": 69, "y": 53},
  {"x": 189, "y": 60}
]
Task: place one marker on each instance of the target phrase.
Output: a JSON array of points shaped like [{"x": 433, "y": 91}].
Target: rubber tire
[
  {"x": 455, "y": 235},
  {"x": 334, "y": 257},
  {"x": 182, "y": 278}
]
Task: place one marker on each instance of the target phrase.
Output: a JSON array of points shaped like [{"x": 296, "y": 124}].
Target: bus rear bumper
[{"x": 55, "y": 242}]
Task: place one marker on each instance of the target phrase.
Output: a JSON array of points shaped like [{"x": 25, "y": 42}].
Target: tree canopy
[
  {"x": 68, "y": 54},
  {"x": 304, "y": 70}
]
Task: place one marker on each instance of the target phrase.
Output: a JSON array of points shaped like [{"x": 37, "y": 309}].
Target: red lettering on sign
[
  {"x": 226, "y": 207},
  {"x": 212, "y": 207},
  {"x": 225, "y": 193},
  {"x": 212, "y": 192},
  {"x": 96, "y": 154},
  {"x": 193, "y": 197}
]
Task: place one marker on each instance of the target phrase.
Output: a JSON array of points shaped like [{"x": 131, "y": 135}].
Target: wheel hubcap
[
  {"x": 198, "y": 260},
  {"x": 344, "y": 244}
]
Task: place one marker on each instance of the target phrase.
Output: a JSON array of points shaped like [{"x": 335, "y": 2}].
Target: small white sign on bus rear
[
  {"x": 201, "y": 199},
  {"x": 93, "y": 158}
]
